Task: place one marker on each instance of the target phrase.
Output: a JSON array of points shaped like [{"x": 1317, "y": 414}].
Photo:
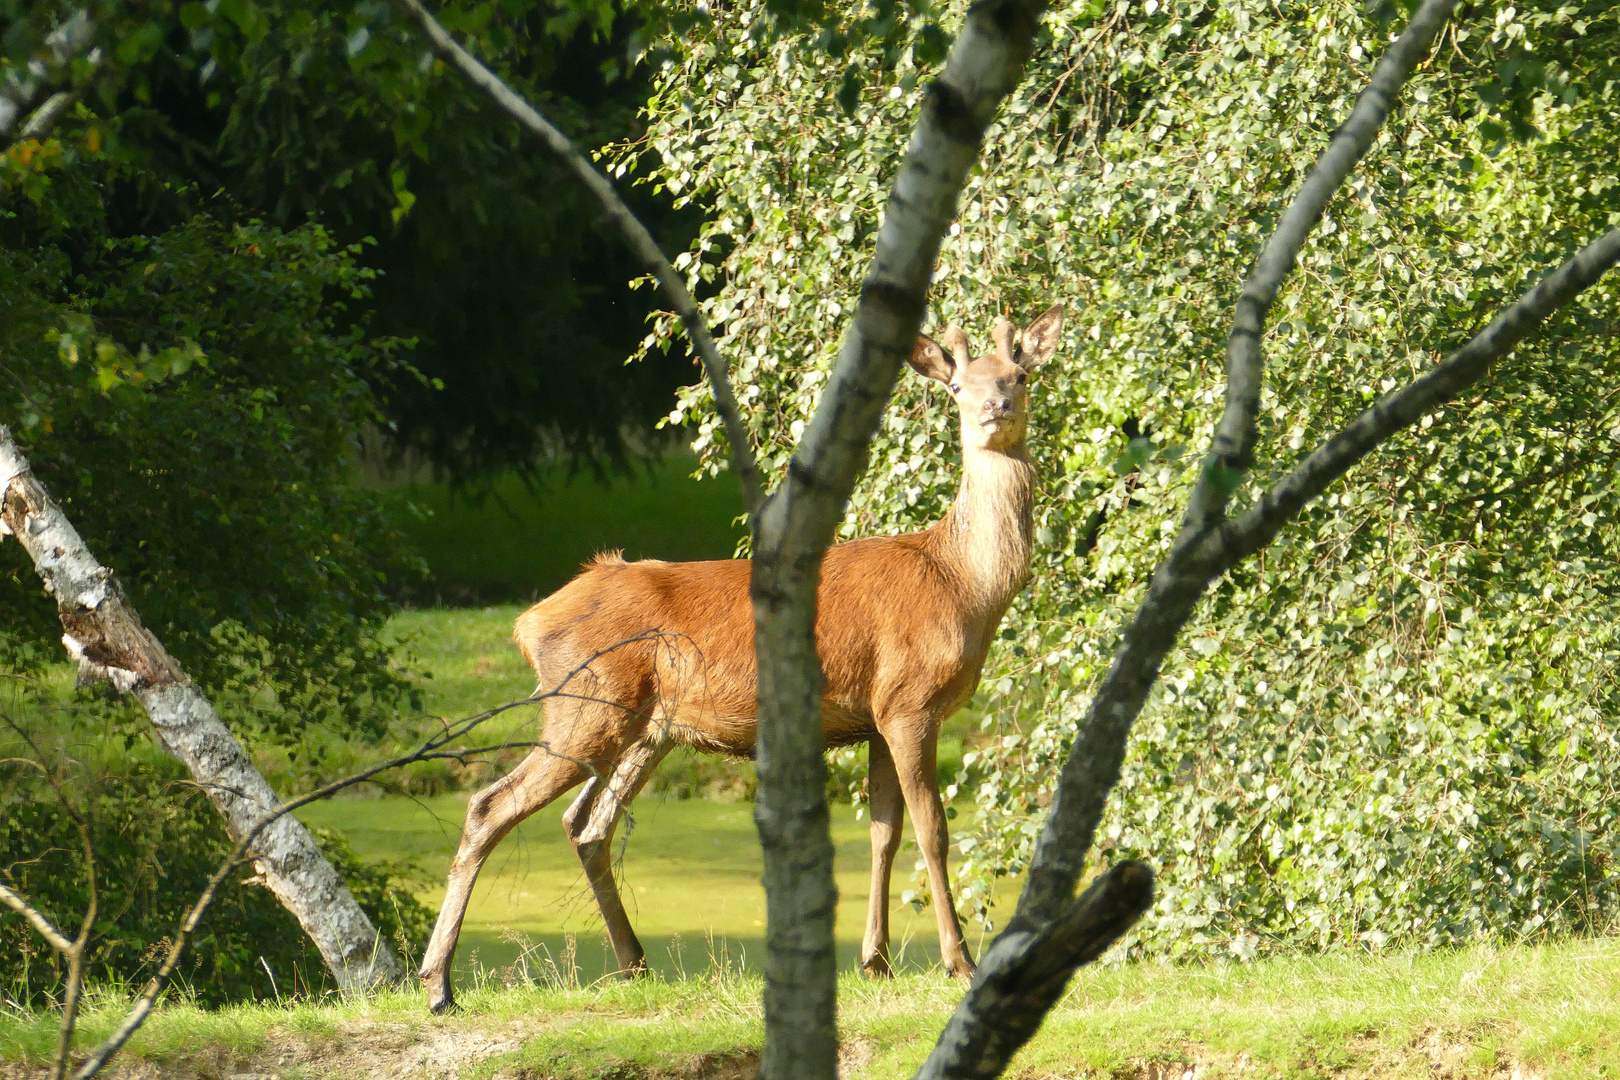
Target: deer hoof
[
  {"x": 961, "y": 968},
  {"x": 877, "y": 967},
  {"x": 441, "y": 999}
]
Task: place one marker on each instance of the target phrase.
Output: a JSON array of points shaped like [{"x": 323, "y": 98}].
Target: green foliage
[
  {"x": 494, "y": 260},
  {"x": 1397, "y": 726},
  {"x": 156, "y": 843},
  {"x": 192, "y": 400}
]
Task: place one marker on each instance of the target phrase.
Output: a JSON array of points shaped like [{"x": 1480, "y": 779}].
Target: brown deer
[{"x": 642, "y": 656}]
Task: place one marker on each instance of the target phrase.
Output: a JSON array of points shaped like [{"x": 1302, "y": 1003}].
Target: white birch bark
[
  {"x": 104, "y": 634},
  {"x": 798, "y": 523},
  {"x": 1028, "y": 966},
  {"x": 17, "y": 92}
]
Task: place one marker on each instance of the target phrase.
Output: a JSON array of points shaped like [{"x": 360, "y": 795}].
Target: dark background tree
[{"x": 493, "y": 263}]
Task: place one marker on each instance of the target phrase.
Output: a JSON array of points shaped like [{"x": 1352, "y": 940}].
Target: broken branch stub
[
  {"x": 1025, "y": 974},
  {"x": 105, "y": 635}
]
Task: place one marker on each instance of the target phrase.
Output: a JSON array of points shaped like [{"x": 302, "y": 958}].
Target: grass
[
  {"x": 512, "y": 543},
  {"x": 1548, "y": 1011},
  {"x": 689, "y": 871}
]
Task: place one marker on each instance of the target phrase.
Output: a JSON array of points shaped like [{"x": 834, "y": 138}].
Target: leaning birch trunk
[
  {"x": 104, "y": 634},
  {"x": 796, "y": 526}
]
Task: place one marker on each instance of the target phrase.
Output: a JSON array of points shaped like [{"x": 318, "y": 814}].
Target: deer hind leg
[
  {"x": 491, "y": 814},
  {"x": 590, "y": 823},
  {"x": 888, "y": 811},
  {"x": 913, "y": 744}
]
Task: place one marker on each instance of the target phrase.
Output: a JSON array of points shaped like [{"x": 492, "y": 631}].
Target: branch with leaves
[
  {"x": 635, "y": 234},
  {"x": 1210, "y": 545}
]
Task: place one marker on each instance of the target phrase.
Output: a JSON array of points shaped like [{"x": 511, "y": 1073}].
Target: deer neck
[{"x": 986, "y": 533}]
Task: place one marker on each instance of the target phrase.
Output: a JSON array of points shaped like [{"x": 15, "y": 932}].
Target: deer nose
[{"x": 998, "y": 404}]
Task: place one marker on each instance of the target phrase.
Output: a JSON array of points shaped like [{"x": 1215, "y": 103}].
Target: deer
[{"x": 641, "y": 656}]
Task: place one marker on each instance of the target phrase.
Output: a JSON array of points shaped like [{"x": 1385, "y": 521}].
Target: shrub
[{"x": 156, "y": 842}]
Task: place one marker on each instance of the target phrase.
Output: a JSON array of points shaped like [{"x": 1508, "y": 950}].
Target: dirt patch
[
  {"x": 743, "y": 1066},
  {"x": 357, "y": 1050}
]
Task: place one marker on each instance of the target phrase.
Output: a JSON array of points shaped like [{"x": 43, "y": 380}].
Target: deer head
[{"x": 991, "y": 391}]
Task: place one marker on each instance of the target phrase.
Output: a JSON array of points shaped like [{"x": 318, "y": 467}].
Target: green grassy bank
[
  {"x": 1544, "y": 1012},
  {"x": 511, "y": 542}
]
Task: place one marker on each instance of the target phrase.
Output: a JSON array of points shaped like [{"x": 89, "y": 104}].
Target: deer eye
[
  {"x": 1022, "y": 378},
  {"x": 956, "y": 388}
]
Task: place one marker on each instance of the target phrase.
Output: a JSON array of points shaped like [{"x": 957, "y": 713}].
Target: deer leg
[
  {"x": 590, "y": 823},
  {"x": 888, "y": 811},
  {"x": 491, "y": 814},
  {"x": 913, "y": 746}
]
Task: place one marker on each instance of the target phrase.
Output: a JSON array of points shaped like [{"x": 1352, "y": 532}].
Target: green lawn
[
  {"x": 689, "y": 872},
  {"x": 1530, "y": 1013},
  {"x": 513, "y": 543}
]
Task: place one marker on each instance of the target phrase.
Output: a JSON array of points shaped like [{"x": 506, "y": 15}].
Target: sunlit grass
[
  {"x": 1546, "y": 1011},
  {"x": 689, "y": 872},
  {"x": 515, "y": 544}
]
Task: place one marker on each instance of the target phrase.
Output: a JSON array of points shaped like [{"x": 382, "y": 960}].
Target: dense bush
[
  {"x": 1399, "y": 724},
  {"x": 156, "y": 842},
  {"x": 193, "y": 400},
  {"x": 193, "y": 397}
]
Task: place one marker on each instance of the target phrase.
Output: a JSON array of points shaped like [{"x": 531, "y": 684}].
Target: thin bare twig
[
  {"x": 72, "y": 951},
  {"x": 635, "y": 235}
]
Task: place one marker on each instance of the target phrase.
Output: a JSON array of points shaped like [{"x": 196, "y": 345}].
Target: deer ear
[
  {"x": 1040, "y": 340},
  {"x": 927, "y": 358}
]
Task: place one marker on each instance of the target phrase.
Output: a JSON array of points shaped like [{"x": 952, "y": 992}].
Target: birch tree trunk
[
  {"x": 797, "y": 524},
  {"x": 104, "y": 634},
  {"x": 794, "y": 528}
]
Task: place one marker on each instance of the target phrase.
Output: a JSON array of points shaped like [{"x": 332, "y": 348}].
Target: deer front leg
[
  {"x": 590, "y": 823},
  {"x": 888, "y": 810},
  {"x": 491, "y": 814},
  {"x": 913, "y": 745}
]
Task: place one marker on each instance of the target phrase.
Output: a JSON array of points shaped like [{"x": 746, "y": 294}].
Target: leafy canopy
[{"x": 1398, "y": 725}]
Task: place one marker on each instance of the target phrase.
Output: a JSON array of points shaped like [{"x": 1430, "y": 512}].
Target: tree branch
[
  {"x": 430, "y": 748},
  {"x": 1237, "y": 540},
  {"x": 630, "y": 227},
  {"x": 104, "y": 633},
  {"x": 1245, "y": 365},
  {"x": 45, "y": 117},
  {"x": 1094, "y": 761},
  {"x": 36, "y": 918},
  {"x": 1015, "y": 996},
  {"x": 17, "y": 93},
  {"x": 797, "y": 524}
]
